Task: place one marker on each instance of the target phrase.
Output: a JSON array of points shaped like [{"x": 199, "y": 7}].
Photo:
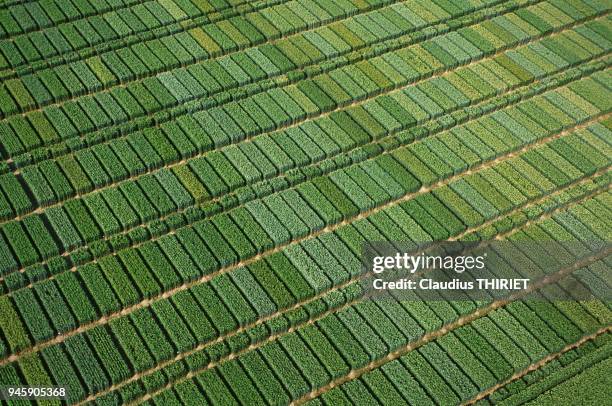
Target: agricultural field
[{"x": 186, "y": 187}]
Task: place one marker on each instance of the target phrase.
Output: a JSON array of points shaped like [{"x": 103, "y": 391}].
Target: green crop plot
[{"x": 186, "y": 188}]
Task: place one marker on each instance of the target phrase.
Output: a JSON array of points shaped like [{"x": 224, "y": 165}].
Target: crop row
[
  {"x": 137, "y": 207},
  {"x": 293, "y": 257},
  {"x": 63, "y": 38},
  {"x": 310, "y": 336},
  {"x": 234, "y": 154},
  {"x": 587, "y": 370},
  {"x": 452, "y": 368},
  {"x": 416, "y": 159},
  {"x": 369, "y": 334},
  {"x": 542, "y": 327},
  {"x": 183, "y": 212},
  {"x": 31, "y": 16},
  {"x": 169, "y": 52},
  {"x": 153, "y": 20},
  {"x": 535, "y": 326},
  {"x": 174, "y": 317},
  {"x": 201, "y": 74},
  {"x": 180, "y": 85},
  {"x": 56, "y": 31},
  {"x": 558, "y": 199},
  {"x": 551, "y": 373},
  {"x": 99, "y": 164},
  {"x": 188, "y": 144}
]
